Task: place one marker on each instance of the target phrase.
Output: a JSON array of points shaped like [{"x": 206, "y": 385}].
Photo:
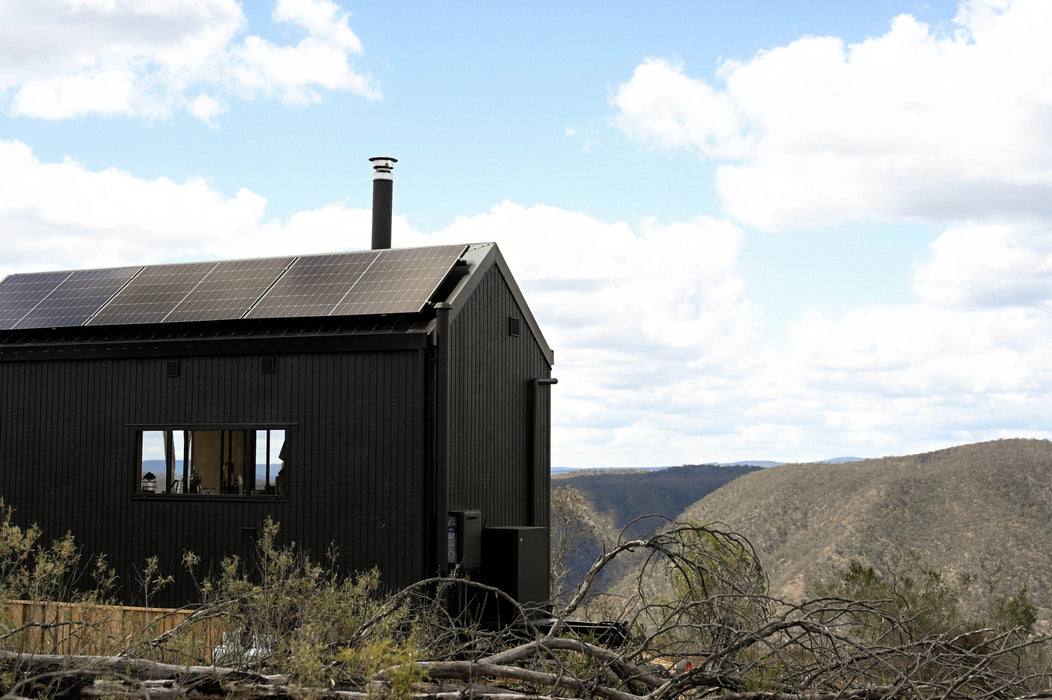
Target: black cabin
[{"x": 394, "y": 403}]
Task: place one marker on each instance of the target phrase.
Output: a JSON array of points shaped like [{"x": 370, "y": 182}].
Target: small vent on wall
[
  {"x": 268, "y": 365},
  {"x": 514, "y": 326},
  {"x": 172, "y": 368}
]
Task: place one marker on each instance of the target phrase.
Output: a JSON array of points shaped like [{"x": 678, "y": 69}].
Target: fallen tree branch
[{"x": 140, "y": 669}]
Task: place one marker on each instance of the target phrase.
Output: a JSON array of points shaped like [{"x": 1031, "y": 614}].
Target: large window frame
[{"x": 237, "y": 461}]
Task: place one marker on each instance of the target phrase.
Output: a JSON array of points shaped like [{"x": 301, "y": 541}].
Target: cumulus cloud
[
  {"x": 147, "y": 59},
  {"x": 917, "y": 123},
  {"x": 70, "y": 217},
  {"x": 988, "y": 265}
]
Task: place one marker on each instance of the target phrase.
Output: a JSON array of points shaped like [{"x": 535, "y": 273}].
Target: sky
[{"x": 749, "y": 230}]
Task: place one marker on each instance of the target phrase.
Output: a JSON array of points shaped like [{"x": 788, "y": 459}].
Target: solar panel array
[{"x": 342, "y": 284}]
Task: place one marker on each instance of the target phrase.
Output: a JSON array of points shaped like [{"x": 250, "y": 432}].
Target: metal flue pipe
[{"x": 383, "y": 187}]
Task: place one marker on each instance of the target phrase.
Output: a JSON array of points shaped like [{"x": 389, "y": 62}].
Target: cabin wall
[
  {"x": 356, "y": 434},
  {"x": 499, "y": 421}
]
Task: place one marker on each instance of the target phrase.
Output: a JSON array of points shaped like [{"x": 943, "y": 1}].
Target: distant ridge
[
  {"x": 594, "y": 470},
  {"x": 763, "y": 463},
  {"x": 983, "y": 510},
  {"x": 627, "y": 494}
]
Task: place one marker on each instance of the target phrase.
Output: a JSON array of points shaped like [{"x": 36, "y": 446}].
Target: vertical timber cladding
[
  {"x": 492, "y": 441},
  {"x": 355, "y": 426},
  {"x": 63, "y": 452}
]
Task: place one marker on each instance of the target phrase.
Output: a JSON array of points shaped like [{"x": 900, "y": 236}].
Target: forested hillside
[
  {"x": 612, "y": 501},
  {"x": 625, "y": 495},
  {"x": 981, "y": 514}
]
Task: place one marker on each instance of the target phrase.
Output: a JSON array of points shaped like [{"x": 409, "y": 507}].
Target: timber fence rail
[{"x": 90, "y": 629}]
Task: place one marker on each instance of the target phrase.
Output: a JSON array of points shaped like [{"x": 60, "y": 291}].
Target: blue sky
[{"x": 760, "y": 230}]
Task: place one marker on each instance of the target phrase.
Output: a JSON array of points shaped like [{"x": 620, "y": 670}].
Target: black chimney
[{"x": 382, "y": 189}]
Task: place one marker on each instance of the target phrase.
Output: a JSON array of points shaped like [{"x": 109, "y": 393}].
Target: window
[{"x": 212, "y": 461}]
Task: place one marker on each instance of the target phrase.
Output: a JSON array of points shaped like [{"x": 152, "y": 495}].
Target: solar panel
[
  {"x": 229, "y": 290},
  {"x": 342, "y": 284},
  {"x": 314, "y": 285},
  {"x": 152, "y": 294},
  {"x": 77, "y": 297},
  {"x": 399, "y": 281},
  {"x": 19, "y": 294}
]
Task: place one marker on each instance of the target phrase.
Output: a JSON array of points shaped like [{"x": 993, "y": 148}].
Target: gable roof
[{"x": 372, "y": 282}]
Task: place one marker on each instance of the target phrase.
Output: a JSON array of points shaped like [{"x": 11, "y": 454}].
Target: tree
[
  {"x": 909, "y": 601},
  {"x": 578, "y": 534}
]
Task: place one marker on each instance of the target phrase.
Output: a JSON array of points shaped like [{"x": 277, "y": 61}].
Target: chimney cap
[{"x": 382, "y": 166}]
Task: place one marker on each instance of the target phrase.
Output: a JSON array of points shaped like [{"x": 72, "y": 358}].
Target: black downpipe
[
  {"x": 541, "y": 455},
  {"x": 383, "y": 196},
  {"x": 440, "y": 488}
]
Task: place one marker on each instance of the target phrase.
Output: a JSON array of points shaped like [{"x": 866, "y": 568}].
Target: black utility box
[{"x": 515, "y": 560}]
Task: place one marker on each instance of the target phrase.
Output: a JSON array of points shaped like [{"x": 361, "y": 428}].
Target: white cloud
[
  {"x": 661, "y": 106},
  {"x": 322, "y": 19},
  {"x": 60, "y": 59},
  {"x": 674, "y": 285},
  {"x": 988, "y": 265},
  {"x": 916, "y": 123},
  {"x": 68, "y": 217},
  {"x": 206, "y": 108}
]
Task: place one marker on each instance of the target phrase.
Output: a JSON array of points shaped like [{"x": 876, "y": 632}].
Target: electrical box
[
  {"x": 464, "y": 539},
  {"x": 515, "y": 560}
]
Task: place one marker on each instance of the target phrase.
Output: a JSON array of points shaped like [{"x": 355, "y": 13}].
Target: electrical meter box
[{"x": 464, "y": 539}]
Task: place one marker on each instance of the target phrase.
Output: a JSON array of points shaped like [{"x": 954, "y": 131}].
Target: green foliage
[
  {"x": 392, "y": 662},
  {"x": 714, "y": 565},
  {"x": 909, "y": 601},
  {"x": 292, "y": 615},
  {"x": 1016, "y": 614},
  {"x": 282, "y": 612},
  {"x": 718, "y": 590},
  {"x": 31, "y": 569},
  {"x": 151, "y": 580},
  {"x": 912, "y": 601},
  {"x": 905, "y": 625}
]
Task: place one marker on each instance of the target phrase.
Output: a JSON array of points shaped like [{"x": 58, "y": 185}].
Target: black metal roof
[{"x": 363, "y": 283}]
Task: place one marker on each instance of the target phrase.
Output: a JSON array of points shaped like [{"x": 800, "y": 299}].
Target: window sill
[{"x": 212, "y": 497}]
